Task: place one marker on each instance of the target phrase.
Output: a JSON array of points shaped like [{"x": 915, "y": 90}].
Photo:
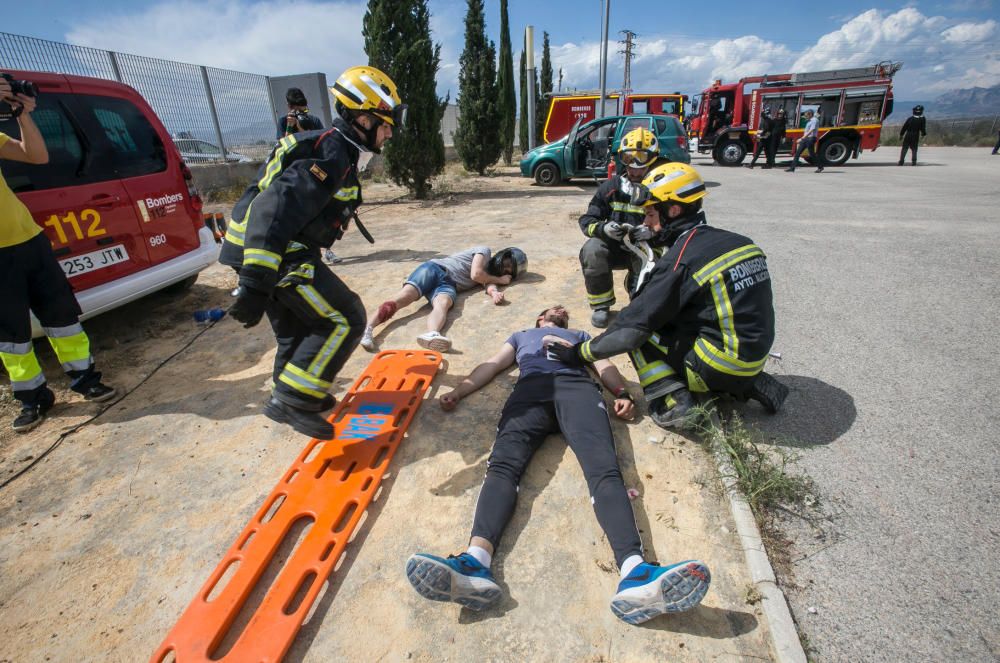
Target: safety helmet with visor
[
  {"x": 369, "y": 91},
  {"x": 674, "y": 184},
  {"x": 639, "y": 149}
]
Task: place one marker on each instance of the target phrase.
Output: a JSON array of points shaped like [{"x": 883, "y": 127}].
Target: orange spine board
[{"x": 330, "y": 486}]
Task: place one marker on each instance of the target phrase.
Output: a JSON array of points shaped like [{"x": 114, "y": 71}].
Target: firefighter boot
[
  {"x": 673, "y": 410},
  {"x": 309, "y": 423},
  {"x": 599, "y": 318},
  {"x": 32, "y": 415},
  {"x": 768, "y": 392}
]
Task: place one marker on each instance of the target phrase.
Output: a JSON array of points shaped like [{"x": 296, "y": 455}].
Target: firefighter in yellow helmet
[
  {"x": 301, "y": 202},
  {"x": 612, "y": 208},
  {"x": 703, "y": 320}
]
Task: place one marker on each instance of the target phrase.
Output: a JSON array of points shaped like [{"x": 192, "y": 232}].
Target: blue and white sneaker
[
  {"x": 651, "y": 590},
  {"x": 460, "y": 578}
]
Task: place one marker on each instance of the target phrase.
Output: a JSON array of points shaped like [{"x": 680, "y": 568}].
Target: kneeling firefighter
[
  {"x": 612, "y": 208},
  {"x": 703, "y": 321},
  {"x": 303, "y": 199}
]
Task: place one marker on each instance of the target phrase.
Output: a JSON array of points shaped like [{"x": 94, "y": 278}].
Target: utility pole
[
  {"x": 529, "y": 70},
  {"x": 629, "y": 53},
  {"x": 604, "y": 58},
  {"x": 560, "y": 80}
]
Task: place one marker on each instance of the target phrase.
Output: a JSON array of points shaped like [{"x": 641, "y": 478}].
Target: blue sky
[{"x": 944, "y": 44}]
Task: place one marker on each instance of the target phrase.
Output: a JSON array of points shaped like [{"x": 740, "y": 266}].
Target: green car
[{"x": 587, "y": 150}]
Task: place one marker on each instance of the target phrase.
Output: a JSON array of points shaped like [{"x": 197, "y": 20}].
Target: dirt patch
[{"x": 105, "y": 541}]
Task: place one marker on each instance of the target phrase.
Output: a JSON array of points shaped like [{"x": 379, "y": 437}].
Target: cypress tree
[
  {"x": 523, "y": 112},
  {"x": 505, "y": 85},
  {"x": 542, "y": 106},
  {"x": 477, "y": 139},
  {"x": 398, "y": 41}
]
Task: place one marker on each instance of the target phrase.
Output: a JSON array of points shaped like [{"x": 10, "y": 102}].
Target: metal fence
[{"x": 212, "y": 114}]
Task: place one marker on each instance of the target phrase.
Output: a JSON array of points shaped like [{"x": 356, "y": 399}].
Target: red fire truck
[
  {"x": 565, "y": 109},
  {"x": 851, "y": 103}
]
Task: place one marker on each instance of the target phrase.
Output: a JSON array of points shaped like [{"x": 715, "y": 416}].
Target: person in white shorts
[{"x": 440, "y": 280}]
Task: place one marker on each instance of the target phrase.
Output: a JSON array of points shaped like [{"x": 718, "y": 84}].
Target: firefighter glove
[
  {"x": 642, "y": 233},
  {"x": 249, "y": 306},
  {"x": 614, "y": 230},
  {"x": 567, "y": 354}
]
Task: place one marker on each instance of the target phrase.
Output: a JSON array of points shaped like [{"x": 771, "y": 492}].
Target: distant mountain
[{"x": 968, "y": 102}]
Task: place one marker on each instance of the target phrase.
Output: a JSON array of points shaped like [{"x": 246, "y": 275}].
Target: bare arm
[
  {"x": 479, "y": 377},
  {"x": 615, "y": 383},
  {"x": 479, "y": 274},
  {"x": 31, "y": 148}
]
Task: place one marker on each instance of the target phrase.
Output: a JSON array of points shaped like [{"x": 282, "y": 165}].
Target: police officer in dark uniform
[
  {"x": 704, "y": 319},
  {"x": 914, "y": 127},
  {"x": 303, "y": 199},
  {"x": 776, "y": 137},
  {"x": 763, "y": 135},
  {"x": 611, "y": 208}
]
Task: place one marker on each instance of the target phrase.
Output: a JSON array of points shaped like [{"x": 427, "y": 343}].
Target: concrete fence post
[
  {"x": 115, "y": 69},
  {"x": 215, "y": 115}
]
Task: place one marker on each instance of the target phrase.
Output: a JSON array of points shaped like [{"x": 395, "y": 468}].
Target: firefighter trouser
[
  {"x": 665, "y": 365},
  {"x": 760, "y": 144},
  {"x": 598, "y": 258},
  {"x": 909, "y": 143},
  {"x": 771, "y": 149},
  {"x": 546, "y": 404},
  {"x": 317, "y": 322},
  {"x": 32, "y": 281}
]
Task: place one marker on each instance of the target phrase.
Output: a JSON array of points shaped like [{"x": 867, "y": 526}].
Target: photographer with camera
[
  {"x": 298, "y": 117},
  {"x": 33, "y": 281}
]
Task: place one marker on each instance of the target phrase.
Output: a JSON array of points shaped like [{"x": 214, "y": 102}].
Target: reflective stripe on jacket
[
  {"x": 305, "y": 194},
  {"x": 713, "y": 288}
]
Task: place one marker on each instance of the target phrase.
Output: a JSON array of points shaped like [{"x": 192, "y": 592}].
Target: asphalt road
[{"x": 887, "y": 318}]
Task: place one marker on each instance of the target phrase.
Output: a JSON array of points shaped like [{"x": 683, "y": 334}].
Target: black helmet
[
  {"x": 519, "y": 262},
  {"x": 918, "y": 110}
]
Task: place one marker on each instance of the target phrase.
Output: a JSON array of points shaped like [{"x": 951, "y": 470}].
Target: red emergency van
[{"x": 115, "y": 199}]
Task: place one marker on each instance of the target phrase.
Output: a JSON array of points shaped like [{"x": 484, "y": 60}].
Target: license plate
[{"x": 89, "y": 262}]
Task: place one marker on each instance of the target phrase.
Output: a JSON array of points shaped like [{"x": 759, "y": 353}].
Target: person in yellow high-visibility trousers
[{"x": 32, "y": 281}]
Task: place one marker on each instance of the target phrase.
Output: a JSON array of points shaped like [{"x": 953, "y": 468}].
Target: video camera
[{"x": 10, "y": 111}]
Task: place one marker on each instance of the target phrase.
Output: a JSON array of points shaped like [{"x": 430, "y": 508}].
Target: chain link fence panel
[{"x": 212, "y": 114}]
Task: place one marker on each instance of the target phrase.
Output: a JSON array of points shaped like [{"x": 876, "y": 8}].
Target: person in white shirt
[{"x": 808, "y": 142}]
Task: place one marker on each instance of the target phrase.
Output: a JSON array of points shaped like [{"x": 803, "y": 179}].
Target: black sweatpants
[
  {"x": 317, "y": 322},
  {"x": 546, "y": 404}
]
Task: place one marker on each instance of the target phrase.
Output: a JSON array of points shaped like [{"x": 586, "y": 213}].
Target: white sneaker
[
  {"x": 433, "y": 340},
  {"x": 330, "y": 258},
  {"x": 367, "y": 340}
]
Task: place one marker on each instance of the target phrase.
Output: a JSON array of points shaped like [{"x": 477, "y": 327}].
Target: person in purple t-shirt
[{"x": 553, "y": 397}]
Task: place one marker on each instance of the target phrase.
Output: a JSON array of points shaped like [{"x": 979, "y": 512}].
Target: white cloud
[
  {"x": 267, "y": 38},
  {"x": 938, "y": 54},
  {"x": 296, "y": 36},
  {"x": 970, "y": 32}
]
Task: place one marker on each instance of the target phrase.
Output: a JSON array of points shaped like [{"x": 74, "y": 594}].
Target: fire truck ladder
[{"x": 881, "y": 70}]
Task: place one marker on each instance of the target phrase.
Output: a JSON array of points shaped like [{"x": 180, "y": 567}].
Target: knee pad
[{"x": 386, "y": 310}]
